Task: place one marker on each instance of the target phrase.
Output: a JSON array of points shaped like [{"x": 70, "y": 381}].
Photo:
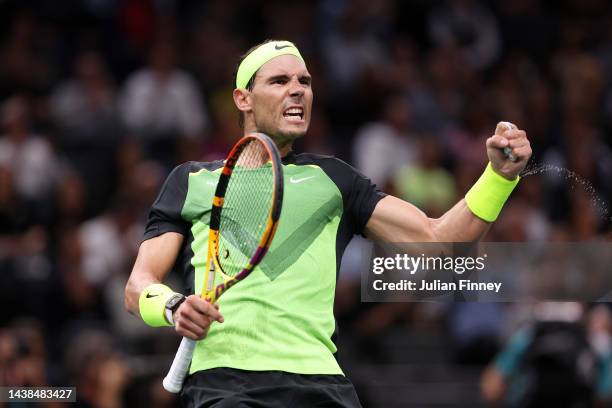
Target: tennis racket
[{"x": 243, "y": 220}]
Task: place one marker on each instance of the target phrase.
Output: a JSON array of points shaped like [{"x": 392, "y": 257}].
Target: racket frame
[
  {"x": 173, "y": 382},
  {"x": 212, "y": 294}
]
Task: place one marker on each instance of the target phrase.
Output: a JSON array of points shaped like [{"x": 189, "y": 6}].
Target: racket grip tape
[
  {"x": 180, "y": 365},
  {"x": 501, "y": 127},
  {"x": 509, "y": 155}
]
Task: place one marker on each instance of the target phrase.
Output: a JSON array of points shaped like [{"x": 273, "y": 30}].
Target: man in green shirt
[{"x": 275, "y": 346}]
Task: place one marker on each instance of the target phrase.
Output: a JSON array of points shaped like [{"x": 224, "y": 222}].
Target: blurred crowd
[{"x": 99, "y": 100}]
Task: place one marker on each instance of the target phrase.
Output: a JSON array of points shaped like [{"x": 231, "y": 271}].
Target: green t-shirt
[{"x": 281, "y": 316}]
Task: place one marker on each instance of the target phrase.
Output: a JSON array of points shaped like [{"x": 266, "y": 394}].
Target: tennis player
[{"x": 276, "y": 346}]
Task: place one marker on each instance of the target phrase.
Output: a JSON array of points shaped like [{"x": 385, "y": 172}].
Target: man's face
[{"x": 281, "y": 99}]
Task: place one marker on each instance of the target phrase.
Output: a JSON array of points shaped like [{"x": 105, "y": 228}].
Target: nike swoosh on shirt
[
  {"x": 150, "y": 295},
  {"x": 296, "y": 181},
  {"x": 276, "y": 47}
]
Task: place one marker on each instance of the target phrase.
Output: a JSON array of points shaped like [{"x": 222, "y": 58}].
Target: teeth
[{"x": 293, "y": 111}]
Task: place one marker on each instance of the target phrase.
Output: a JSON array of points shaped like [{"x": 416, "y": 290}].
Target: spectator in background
[
  {"x": 107, "y": 240},
  {"x": 30, "y": 156},
  {"x": 527, "y": 26},
  {"x": 425, "y": 182},
  {"x": 580, "y": 74},
  {"x": 540, "y": 104},
  {"x": 28, "y": 171},
  {"x": 381, "y": 147},
  {"x": 405, "y": 74},
  {"x": 23, "y": 356},
  {"x": 351, "y": 48},
  {"x": 161, "y": 103},
  {"x": 599, "y": 326},
  {"x": 69, "y": 199},
  {"x": 84, "y": 107},
  {"x": 448, "y": 79},
  {"x": 96, "y": 369},
  {"x": 583, "y": 152},
  {"x": 25, "y": 270},
  {"x": 585, "y": 217},
  {"x": 16, "y": 216},
  {"x": 551, "y": 362},
  {"x": 508, "y": 90},
  {"x": 470, "y": 26},
  {"x": 211, "y": 50},
  {"x": 79, "y": 299},
  {"x": 25, "y": 57}
]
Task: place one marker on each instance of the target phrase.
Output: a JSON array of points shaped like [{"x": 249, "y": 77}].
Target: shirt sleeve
[
  {"x": 360, "y": 195},
  {"x": 362, "y": 200},
  {"x": 165, "y": 214}
]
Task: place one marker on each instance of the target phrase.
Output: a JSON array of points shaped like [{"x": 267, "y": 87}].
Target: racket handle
[
  {"x": 509, "y": 155},
  {"x": 180, "y": 365},
  {"x": 501, "y": 126}
]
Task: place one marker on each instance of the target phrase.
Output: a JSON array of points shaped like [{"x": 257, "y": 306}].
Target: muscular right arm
[{"x": 155, "y": 259}]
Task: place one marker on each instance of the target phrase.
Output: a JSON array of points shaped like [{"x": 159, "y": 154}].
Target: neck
[{"x": 283, "y": 147}]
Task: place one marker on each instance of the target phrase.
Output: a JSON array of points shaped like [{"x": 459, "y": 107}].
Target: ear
[{"x": 242, "y": 99}]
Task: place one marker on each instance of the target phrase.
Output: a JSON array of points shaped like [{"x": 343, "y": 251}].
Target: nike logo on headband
[{"x": 276, "y": 47}]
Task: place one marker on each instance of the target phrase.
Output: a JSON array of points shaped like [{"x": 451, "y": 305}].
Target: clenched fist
[
  {"x": 509, "y": 136},
  {"x": 194, "y": 316}
]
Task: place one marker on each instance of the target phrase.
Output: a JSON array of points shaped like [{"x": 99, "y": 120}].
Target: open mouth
[{"x": 294, "y": 114}]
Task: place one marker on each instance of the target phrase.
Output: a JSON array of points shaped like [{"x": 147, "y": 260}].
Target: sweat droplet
[{"x": 569, "y": 175}]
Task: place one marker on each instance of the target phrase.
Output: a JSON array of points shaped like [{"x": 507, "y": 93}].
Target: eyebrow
[{"x": 286, "y": 77}]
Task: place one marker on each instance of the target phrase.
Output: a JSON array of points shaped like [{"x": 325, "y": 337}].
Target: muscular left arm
[{"x": 395, "y": 220}]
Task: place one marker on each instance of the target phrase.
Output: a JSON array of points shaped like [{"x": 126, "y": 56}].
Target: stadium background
[{"x": 99, "y": 99}]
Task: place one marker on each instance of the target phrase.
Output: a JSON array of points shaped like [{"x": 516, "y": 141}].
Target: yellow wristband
[
  {"x": 487, "y": 197},
  {"x": 152, "y": 304}
]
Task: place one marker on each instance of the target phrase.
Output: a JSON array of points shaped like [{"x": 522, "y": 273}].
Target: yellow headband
[{"x": 260, "y": 56}]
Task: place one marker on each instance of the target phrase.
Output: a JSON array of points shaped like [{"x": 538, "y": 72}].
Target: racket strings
[
  {"x": 253, "y": 156},
  {"x": 246, "y": 208}
]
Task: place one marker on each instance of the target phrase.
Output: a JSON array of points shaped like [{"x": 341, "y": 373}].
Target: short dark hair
[{"x": 251, "y": 82}]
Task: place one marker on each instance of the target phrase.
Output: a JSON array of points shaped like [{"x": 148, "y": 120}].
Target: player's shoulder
[
  {"x": 326, "y": 162},
  {"x": 318, "y": 159},
  {"x": 340, "y": 172},
  {"x": 197, "y": 166},
  {"x": 192, "y": 167}
]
